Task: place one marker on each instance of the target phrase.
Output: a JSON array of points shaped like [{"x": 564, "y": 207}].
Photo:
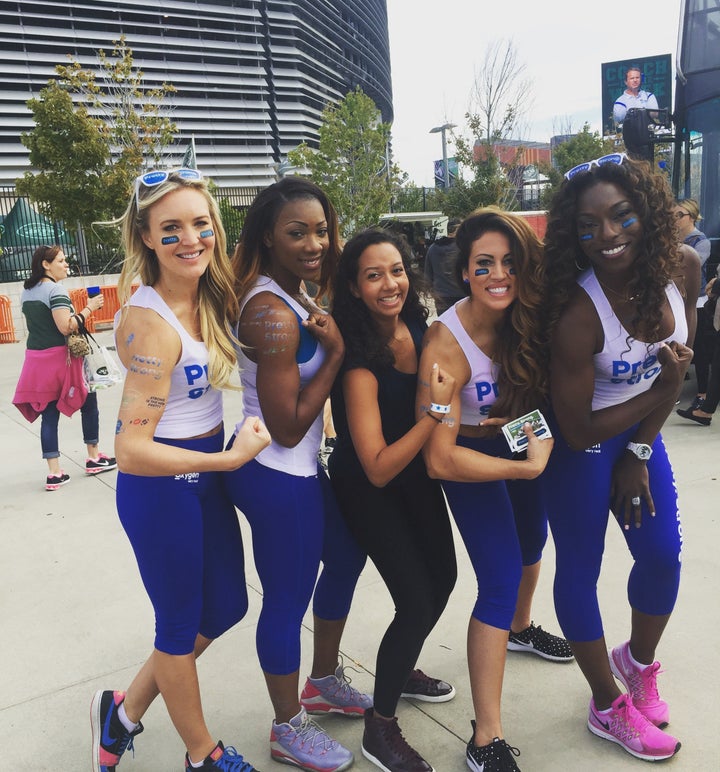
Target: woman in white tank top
[{"x": 620, "y": 296}]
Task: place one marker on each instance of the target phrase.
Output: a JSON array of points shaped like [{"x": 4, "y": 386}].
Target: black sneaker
[
  {"x": 384, "y": 745},
  {"x": 537, "y": 641},
  {"x": 110, "y": 738},
  {"x": 54, "y": 481},
  {"x": 427, "y": 689},
  {"x": 222, "y": 758},
  {"x": 100, "y": 464},
  {"x": 496, "y": 757}
]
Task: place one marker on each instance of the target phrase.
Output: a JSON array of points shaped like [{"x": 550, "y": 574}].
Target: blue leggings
[
  {"x": 295, "y": 524},
  {"x": 577, "y": 493},
  {"x": 186, "y": 538},
  {"x": 49, "y": 425},
  {"x": 504, "y": 527}
]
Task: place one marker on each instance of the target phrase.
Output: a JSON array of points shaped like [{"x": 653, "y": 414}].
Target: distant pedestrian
[
  {"x": 440, "y": 269},
  {"x": 51, "y": 381}
]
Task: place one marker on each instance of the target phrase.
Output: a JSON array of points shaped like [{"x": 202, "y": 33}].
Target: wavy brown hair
[
  {"x": 658, "y": 261},
  {"x": 522, "y": 385}
]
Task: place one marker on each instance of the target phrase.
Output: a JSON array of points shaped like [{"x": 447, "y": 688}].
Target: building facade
[{"x": 252, "y": 76}]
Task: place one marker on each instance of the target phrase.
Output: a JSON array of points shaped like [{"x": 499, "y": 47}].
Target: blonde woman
[{"x": 173, "y": 337}]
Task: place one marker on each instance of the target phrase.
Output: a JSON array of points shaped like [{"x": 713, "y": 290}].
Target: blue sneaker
[
  {"x": 302, "y": 743},
  {"x": 224, "y": 759},
  {"x": 110, "y": 738}
]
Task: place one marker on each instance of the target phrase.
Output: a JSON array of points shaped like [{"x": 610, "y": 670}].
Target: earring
[
  {"x": 466, "y": 280},
  {"x": 581, "y": 267}
]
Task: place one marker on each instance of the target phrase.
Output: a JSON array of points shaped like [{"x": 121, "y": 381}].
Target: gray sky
[{"x": 436, "y": 46}]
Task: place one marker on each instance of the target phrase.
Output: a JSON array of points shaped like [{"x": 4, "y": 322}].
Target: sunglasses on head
[
  {"x": 612, "y": 158},
  {"x": 158, "y": 176}
]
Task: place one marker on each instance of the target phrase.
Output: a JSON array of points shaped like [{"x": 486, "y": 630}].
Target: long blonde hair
[{"x": 217, "y": 303}]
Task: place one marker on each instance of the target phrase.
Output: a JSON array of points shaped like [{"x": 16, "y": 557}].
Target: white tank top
[
  {"x": 301, "y": 460},
  {"x": 193, "y": 406},
  {"x": 626, "y": 367},
  {"x": 480, "y": 392}
]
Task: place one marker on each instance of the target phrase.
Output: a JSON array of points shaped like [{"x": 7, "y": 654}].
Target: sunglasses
[
  {"x": 157, "y": 177},
  {"x": 612, "y": 158}
]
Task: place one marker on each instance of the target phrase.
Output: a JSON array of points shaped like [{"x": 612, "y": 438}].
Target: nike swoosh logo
[
  {"x": 107, "y": 739},
  {"x": 602, "y": 723}
]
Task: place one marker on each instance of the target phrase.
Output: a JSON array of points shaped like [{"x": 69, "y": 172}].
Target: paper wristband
[{"x": 444, "y": 409}]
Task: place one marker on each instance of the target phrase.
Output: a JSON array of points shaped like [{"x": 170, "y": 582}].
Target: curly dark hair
[
  {"x": 658, "y": 261},
  {"x": 363, "y": 340},
  {"x": 521, "y": 382}
]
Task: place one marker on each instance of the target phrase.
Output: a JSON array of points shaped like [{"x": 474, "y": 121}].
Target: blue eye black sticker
[
  {"x": 170, "y": 239},
  {"x": 586, "y": 237},
  {"x": 629, "y": 222},
  {"x": 482, "y": 271},
  {"x": 206, "y": 234}
]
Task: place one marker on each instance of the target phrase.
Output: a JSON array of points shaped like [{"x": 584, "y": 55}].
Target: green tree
[
  {"x": 94, "y": 131},
  {"x": 68, "y": 148},
  {"x": 410, "y": 198},
  {"x": 581, "y": 147},
  {"x": 350, "y": 163},
  {"x": 89, "y": 149},
  {"x": 134, "y": 119}
]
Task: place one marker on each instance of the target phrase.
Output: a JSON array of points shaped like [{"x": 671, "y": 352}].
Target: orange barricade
[
  {"x": 79, "y": 299},
  {"x": 7, "y": 328},
  {"x": 105, "y": 316}
]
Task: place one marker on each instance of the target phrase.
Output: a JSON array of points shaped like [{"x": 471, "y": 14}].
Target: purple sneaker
[
  {"x": 333, "y": 694},
  {"x": 302, "y": 743}
]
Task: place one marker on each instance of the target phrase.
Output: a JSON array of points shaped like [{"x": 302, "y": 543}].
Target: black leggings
[
  {"x": 703, "y": 348},
  {"x": 405, "y": 529}
]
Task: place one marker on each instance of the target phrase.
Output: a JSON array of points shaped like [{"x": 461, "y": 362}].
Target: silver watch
[{"x": 640, "y": 449}]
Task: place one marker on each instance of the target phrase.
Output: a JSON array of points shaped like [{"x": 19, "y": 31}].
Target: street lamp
[{"x": 442, "y": 129}]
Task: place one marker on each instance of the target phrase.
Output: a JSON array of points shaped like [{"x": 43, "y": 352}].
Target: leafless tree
[{"x": 501, "y": 96}]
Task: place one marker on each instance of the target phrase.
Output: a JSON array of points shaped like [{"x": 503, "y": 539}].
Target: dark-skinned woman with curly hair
[
  {"x": 620, "y": 296},
  {"x": 488, "y": 343}
]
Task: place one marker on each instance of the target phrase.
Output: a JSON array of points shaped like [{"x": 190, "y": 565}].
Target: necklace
[{"x": 625, "y": 298}]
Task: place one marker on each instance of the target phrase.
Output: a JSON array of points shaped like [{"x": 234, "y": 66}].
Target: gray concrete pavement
[{"x": 75, "y": 618}]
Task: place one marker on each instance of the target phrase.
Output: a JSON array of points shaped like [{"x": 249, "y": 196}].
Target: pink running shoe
[
  {"x": 625, "y": 725},
  {"x": 641, "y": 684}
]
